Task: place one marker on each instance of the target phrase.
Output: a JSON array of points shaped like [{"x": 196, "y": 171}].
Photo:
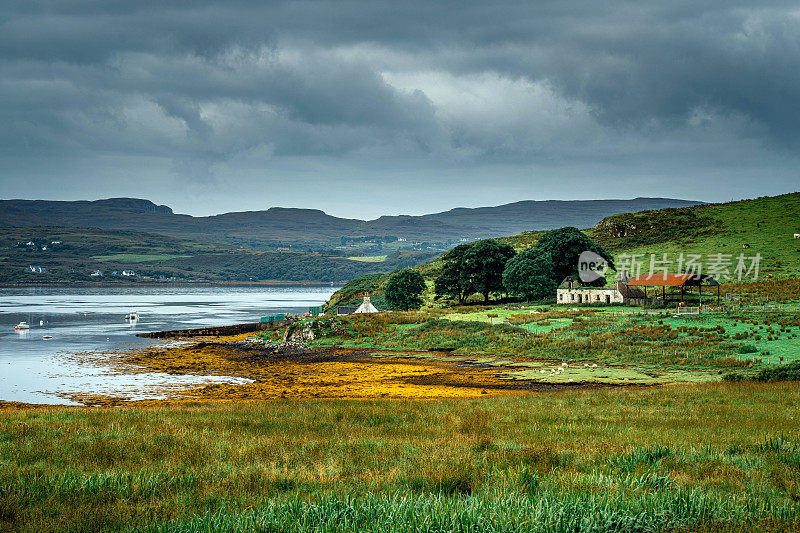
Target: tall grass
[
  {"x": 611, "y": 338},
  {"x": 683, "y": 457}
]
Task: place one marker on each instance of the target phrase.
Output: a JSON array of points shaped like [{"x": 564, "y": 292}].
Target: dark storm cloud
[{"x": 510, "y": 83}]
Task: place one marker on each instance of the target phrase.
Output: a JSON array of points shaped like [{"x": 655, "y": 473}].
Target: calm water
[{"x": 37, "y": 370}]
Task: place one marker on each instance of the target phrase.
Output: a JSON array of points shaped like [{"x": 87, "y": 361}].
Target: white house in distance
[
  {"x": 128, "y": 273},
  {"x": 96, "y": 274},
  {"x": 572, "y": 291},
  {"x": 366, "y": 307},
  {"x": 37, "y": 269}
]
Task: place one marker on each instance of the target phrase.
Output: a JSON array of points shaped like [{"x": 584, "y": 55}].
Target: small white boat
[
  {"x": 21, "y": 325},
  {"x": 45, "y": 337},
  {"x": 133, "y": 315}
]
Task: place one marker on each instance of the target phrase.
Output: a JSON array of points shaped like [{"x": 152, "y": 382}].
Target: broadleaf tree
[
  {"x": 529, "y": 275},
  {"x": 453, "y": 281},
  {"x": 536, "y": 272},
  {"x": 484, "y": 263},
  {"x": 564, "y": 246},
  {"x": 404, "y": 290}
]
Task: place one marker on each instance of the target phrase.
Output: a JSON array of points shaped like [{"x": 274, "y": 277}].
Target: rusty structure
[{"x": 683, "y": 282}]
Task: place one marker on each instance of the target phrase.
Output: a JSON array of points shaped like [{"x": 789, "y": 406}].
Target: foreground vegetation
[{"x": 689, "y": 458}]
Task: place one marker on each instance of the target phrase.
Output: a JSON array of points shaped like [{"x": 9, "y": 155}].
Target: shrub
[{"x": 790, "y": 372}]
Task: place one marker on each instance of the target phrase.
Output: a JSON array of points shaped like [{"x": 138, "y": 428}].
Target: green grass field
[
  {"x": 138, "y": 258},
  {"x": 611, "y": 336},
  {"x": 681, "y": 458},
  {"x": 369, "y": 258}
]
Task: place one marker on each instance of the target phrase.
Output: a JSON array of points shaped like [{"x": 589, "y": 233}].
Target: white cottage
[
  {"x": 366, "y": 307},
  {"x": 572, "y": 291}
]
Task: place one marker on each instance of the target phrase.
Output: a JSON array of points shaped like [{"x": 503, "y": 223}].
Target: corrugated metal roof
[{"x": 670, "y": 280}]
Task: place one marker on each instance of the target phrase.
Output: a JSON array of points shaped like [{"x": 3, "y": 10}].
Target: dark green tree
[
  {"x": 564, "y": 246},
  {"x": 453, "y": 281},
  {"x": 529, "y": 275},
  {"x": 484, "y": 263},
  {"x": 404, "y": 290},
  {"x": 536, "y": 272}
]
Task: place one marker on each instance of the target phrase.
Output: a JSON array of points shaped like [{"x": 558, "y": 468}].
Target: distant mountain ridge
[{"x": 280, "y": 226}]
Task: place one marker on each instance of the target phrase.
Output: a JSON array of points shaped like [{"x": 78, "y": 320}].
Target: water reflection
[{"x": 34, "y": 368}]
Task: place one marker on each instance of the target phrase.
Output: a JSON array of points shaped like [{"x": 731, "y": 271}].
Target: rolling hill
[
  {"x": 294, "y": 228},
  {"x": 764, "y": 226}
]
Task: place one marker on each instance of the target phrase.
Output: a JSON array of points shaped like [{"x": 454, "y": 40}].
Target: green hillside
[
  {"x": 763, "y": 226},
  {"x": 766, "y": 225}
]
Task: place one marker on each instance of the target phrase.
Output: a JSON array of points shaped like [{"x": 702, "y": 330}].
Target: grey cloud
[{"x": 443, "y": 84}]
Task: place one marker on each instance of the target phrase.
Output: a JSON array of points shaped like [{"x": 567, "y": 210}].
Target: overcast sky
[{"x": 370, "y": 108}]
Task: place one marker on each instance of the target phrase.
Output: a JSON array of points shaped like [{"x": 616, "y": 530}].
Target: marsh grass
[
  {"x": 684, "y": 457},
  {"x": 602, "y": 335}
]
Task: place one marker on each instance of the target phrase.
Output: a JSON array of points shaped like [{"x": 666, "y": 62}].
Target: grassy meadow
[
  {"x": 607, "y": 335},
  {"x": 680, "y": 458}
]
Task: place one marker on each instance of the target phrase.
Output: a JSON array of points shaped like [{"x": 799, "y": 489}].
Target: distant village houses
[
  {"x": 37, "y": 269},
  {"x": 96, "y": 274},
  {"x": 128, "y": 273}
]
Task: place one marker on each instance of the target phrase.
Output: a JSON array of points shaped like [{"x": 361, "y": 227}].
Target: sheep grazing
[{"x": 594, "y": 365}]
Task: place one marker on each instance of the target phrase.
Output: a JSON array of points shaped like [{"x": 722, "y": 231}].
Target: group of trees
[
  {"x": 491, "y": 267},
  {"x": 474, "y": 267}
]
